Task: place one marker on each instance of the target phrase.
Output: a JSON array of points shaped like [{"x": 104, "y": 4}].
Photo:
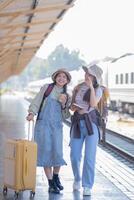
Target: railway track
[{"x": 121, "y": 144}]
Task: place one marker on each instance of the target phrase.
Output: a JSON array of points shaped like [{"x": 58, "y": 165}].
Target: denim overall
[{"x": 49, "y": 135}]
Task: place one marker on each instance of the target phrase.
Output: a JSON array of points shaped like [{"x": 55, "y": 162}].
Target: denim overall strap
[{"x": 46, "y": 94}]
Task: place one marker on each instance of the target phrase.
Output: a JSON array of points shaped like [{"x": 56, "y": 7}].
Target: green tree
[
  {"x": 39, "y": 68},
  {"x": 61, "y": 57}
]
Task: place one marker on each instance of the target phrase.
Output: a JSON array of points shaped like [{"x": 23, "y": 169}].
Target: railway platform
[{"x": 114, "y": 180}]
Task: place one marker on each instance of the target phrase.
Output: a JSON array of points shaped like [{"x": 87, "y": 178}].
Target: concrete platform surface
[{"x": 13, "y": 125}]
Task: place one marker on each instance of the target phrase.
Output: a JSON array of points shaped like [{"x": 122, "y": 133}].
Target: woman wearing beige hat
[
  {"x": 50, "y": 104},
  {"x": 84, "y": 128}
]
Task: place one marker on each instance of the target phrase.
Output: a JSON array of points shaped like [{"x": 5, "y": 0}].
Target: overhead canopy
[{"x": 24, "y": 25}]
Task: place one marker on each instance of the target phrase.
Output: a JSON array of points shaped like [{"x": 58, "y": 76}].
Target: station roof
[{"x": 24, "y": 25}]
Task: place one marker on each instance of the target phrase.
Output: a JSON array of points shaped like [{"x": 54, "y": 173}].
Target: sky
[{"x": 97, "y": 28}]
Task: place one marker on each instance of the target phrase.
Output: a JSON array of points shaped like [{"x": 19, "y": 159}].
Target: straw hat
[
  {"x": 61, "y": 71},
  {"x": 95, "y": 71}
]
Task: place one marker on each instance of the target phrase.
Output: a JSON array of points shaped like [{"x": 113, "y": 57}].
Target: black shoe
[
  {"x": 57, "y": 181},
  {"x": 53, "y": 188}
]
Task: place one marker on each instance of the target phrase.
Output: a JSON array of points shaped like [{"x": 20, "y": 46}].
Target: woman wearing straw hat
[
  {"x": 84, "y": 128},
  {"x": 49, "y": 129}
]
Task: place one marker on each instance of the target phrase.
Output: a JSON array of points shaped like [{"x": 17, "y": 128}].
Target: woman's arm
[{"x": 93, "y": 99}]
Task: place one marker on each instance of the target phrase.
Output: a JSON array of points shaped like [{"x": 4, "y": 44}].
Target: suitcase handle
[
  {"x": 32, "y": 138},
  {"x": 24, "y": 166}
]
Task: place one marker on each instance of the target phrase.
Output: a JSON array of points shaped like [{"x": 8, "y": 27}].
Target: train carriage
[{"x": 120, "y": 76}]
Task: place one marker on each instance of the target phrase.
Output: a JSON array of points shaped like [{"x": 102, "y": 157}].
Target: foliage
[{"x": 61, "y": 57}]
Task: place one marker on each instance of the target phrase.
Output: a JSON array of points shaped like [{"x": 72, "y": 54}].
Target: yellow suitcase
[{"x": 20, "y": 166}]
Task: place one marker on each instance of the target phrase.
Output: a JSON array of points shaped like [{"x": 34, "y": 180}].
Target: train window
[
  {"x": 121, "y": 78},
  {"x": 126, "y": 78},
  {"x": 132, "y": 77},
  {"x": 116, "y": 79}
]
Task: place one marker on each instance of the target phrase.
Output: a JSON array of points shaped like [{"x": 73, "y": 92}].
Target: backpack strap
[{"x": 46, "y": 94}]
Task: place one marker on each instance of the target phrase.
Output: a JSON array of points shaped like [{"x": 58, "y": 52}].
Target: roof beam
[
  {"x": 10, "y": 31},
  {"x": 20, "y": 41},
  {"x": 5, "y": 3},
  {"x": 24, "y": 34},
  {"x": 19, "y": 48},
  {"x": 34, "y": 23},
  {"x": 5, "y": 57},
  {"x": 7, "y": 41},
  {"x": 29, "y": 11}
]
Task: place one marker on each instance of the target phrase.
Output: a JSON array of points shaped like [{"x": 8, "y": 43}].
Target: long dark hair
[
  {"x": 65, "y": 89},
  {"x": 87, "y": 94}
]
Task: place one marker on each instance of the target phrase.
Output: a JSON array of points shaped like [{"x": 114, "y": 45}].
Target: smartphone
[{"x": 77, "y": 105}]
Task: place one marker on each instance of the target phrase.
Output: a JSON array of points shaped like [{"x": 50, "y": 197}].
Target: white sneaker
[
  {"x": 76, "y": 185},
  {"x": 86, "y": 191}
]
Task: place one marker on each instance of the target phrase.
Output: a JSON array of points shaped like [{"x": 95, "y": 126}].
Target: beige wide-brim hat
[
  {"x": 61, "y": 71},
  {"x": 95, "y": 71}
]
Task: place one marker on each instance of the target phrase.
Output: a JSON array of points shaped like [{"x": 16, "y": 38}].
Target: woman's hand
[
  {"x": 30, "y": 117},
  {"x": 63, "y": 99},
  {"x": 89, "y": 81}
]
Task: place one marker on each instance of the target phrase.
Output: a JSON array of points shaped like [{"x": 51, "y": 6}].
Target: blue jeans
[{"x": 76, "y": 145}]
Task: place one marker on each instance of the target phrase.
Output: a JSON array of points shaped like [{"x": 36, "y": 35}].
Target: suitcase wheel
[
  {"x": 5, "y": 190},
  {"x": 32, "y": 194}
]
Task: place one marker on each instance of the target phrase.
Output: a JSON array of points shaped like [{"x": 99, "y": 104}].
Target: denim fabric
[
  {"x": 76, "y": 144},
  {"x": 49, "y": 135}
]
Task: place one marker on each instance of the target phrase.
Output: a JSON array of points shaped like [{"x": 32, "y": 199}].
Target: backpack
[{"x": 102, "y": 106}]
